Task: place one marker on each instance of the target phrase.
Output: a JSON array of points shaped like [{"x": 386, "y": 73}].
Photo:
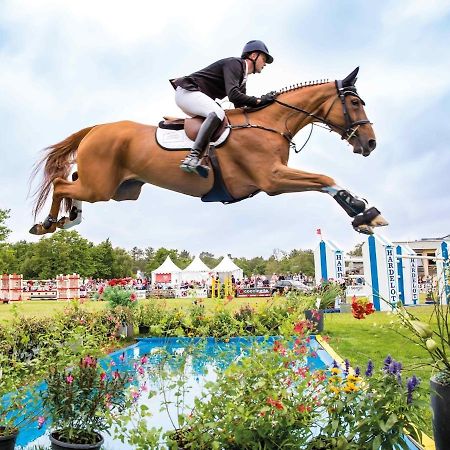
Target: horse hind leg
[
  {"x": 61, "y": 189},
  {"x": 365, "y": 218},
  {"x": 75, "y": 216}
]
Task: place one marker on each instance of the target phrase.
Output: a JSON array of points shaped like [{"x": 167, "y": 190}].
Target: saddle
[{"x": 179, "y": 134}]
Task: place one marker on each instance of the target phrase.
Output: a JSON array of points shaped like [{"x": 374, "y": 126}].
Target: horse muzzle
[{"x": 365, "y": 149}]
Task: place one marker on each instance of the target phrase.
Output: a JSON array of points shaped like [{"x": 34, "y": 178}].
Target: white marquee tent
[
  {"x": 227, "y": 267},
  {"x": 168, "y": 273},
  {"x": 197, "y": 270}
]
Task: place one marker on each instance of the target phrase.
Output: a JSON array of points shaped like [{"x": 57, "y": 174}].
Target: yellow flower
[
  {"x": 334, "y": 390},
  {"x": 335, "y": 370},
  {"x": 353, "y": 378},
  {"x": 334, "y": 379}
]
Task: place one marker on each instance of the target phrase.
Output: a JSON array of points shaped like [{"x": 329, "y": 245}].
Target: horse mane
[{"x": 301, "y": 85}]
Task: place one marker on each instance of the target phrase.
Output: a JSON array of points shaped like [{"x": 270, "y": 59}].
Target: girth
[{"x": 219, "y": 191}]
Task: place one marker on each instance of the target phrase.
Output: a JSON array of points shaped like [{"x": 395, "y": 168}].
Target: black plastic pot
[
  {"x": 144, "y": 329},
  {"x": 8, "y": 442},
  {"x": 60, "y": 445},
  {"x": 316, "y": 317},
  {"x": 440, "y": 405}
]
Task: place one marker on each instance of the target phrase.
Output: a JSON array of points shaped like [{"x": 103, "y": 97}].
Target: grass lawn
[{"x": 357, "y": 340}]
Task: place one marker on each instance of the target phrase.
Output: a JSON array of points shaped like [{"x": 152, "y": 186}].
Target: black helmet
[{"x": 257, "y": 46}]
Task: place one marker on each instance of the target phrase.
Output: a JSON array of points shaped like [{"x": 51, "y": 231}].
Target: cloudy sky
[{"x": 68, "y": 65}]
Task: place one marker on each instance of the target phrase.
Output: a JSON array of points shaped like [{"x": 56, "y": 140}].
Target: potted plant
[
  {"x": 16, "y": 410},
  {"x": 78, "y": 399},
  {"x": 436, "y": 341},
  {"x": 121, "y": 299}
]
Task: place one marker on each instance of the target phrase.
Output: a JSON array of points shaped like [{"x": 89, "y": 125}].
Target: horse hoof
[
  {"x": 379, "y": 221},
  {"x": 364, "y": 229},
  {"x": 37, "y": 229},
  {"x": 62, "y": 222}
]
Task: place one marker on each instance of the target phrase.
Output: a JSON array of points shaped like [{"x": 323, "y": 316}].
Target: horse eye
[{"x": 355, "y": 102}]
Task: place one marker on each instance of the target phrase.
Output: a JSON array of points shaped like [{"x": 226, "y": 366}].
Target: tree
[
  {"x": 357, "y": 251},
  {"x": 103, "y": 260},
  {"x": 4, "y": 230},
  {"x": 123, "y": 264},
  {"x": 209, "y": 259}
]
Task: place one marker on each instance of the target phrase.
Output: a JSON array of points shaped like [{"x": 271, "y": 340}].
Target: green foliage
[
  {"x": 4, "y": 230},
  {"x": 119, "y": 296}
]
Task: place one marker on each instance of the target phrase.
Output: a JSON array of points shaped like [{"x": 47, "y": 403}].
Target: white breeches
[{"x": 195, "y": 103}]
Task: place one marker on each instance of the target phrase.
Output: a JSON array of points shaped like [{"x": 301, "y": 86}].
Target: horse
[{"x": 114, "y": 160}]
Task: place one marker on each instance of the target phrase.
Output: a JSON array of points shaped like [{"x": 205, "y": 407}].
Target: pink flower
[
  {"x": 112, "y": 363},
  {"x": 89, "y": 361},
  {"x": 69, "y": 379},
  {"x": 103, "y": 376},
  {"x": 40, "y": 421},
  {"x": 133, "y": 297},
  {"x": 141, "y": 370},
  {"x": 122, "y": 356},
  {"x": 116, "y": 374},
  {"x": 144, "y": 387},
  {"x": 144, "y": 359},
  {"x": 135, "y": 395}
]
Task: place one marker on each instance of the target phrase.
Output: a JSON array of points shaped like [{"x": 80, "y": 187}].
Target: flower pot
[
  {"x": 126, "y": 330},
  {"x": 144, "y": 329},
  {"x": 60, "y": 445},
  {"x": 8, "y": 442},
  {"x": 440, "y": 405},
  {"x": 316, "y": 317}
]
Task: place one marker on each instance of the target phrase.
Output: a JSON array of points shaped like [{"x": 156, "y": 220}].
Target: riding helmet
[{"x": 257, "y": 46}]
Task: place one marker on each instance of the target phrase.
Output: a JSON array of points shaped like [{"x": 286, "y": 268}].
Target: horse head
[{"x": 347, "y": 117}]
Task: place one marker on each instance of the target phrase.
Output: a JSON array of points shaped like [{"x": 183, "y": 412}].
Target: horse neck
[{"x": 313, "y": 99}]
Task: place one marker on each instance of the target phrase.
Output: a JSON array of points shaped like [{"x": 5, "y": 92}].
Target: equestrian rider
[{"x": 195, "y": 95}]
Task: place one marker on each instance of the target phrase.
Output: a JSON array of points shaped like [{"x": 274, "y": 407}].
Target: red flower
[{"x": 276, "y": 403}]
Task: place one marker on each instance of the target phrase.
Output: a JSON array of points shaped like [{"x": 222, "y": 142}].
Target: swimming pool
[{"x": 202, "y": 365}]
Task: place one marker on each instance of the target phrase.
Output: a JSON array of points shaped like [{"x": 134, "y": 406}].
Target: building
[{"x": 425, "y": 247}]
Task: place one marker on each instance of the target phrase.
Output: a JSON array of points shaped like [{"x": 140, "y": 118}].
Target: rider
[{"x": 195, "y": 95}]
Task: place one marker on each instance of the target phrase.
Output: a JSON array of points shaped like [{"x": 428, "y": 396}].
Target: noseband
[{"x": 351, "y": 127}]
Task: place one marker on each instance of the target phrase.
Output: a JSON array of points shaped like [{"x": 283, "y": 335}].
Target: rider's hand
[{"x": 266, "y": 99}]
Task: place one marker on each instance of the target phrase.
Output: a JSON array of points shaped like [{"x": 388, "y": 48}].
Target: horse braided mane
[{"x": 301, "y": 85}]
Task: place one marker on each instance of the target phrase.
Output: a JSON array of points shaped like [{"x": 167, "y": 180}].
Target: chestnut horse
[{"x": 114, "y": 160}]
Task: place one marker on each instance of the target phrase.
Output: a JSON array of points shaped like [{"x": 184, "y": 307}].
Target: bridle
[
  {"x": 351, "y": 126},
  {"x": 347, "y": 132}
]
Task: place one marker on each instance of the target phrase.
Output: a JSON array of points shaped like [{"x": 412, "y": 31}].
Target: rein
[{"x": 350, "y": 130}]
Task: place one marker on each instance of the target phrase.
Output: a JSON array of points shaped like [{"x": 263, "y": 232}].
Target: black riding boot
[{"x": 192, "y": 161}]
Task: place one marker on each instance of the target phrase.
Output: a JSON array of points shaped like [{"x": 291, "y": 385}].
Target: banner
[
  {"x": 254, "y": 292},
  {"x": 163, "y": 278}
]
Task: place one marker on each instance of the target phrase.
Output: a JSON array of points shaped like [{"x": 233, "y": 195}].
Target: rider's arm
[{"x": 233, "y": 73}]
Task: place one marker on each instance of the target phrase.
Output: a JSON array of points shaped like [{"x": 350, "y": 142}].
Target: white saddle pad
[{"x": 177, "y": 139}]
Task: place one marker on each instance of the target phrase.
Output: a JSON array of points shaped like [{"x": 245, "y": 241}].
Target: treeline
[{"x": 68, "y": 252}]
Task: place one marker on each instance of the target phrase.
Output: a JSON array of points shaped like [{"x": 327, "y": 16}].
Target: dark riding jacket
[{"x": 220, "y": 79}]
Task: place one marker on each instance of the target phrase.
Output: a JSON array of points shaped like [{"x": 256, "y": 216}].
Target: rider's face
[{"x": 260, "y": 61}]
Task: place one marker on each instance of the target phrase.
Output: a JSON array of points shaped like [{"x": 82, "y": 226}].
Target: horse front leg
[{"x": 284, "y": 179}]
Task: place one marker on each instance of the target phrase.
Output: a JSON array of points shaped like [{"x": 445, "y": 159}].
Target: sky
[{"x": 68, "y": 65}]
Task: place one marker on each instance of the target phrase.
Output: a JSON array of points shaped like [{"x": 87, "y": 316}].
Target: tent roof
[
  {"x": 226, "y": 265},
  {"x": 197, "y": 265},
  {"x": 168, "y": 266}
]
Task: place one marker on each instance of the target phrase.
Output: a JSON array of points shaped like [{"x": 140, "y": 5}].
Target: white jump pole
[
  {"x": 443, "y": 271},
  {"x": 329, "y": 262}
]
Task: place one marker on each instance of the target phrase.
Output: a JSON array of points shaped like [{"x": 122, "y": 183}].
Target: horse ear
[{"x": 350, "y": 79}]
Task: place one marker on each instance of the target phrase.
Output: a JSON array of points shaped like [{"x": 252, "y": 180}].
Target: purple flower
[
  {"x": 40, "y": 421},
  {"x": 387, "y": 360},
  {"x": 347, "y": 366},
  {"x": 411, "y": 385},
  {"x": 335, "y": 364},
  {"x": 357, "y": 371},
  {"x": 369, "y": 370}
]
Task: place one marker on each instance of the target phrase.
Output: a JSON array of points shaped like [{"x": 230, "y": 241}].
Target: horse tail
[{"x": 57, "y": 164}]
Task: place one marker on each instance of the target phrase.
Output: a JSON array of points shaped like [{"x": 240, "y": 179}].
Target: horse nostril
[{"x": 372, "y": 144}]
